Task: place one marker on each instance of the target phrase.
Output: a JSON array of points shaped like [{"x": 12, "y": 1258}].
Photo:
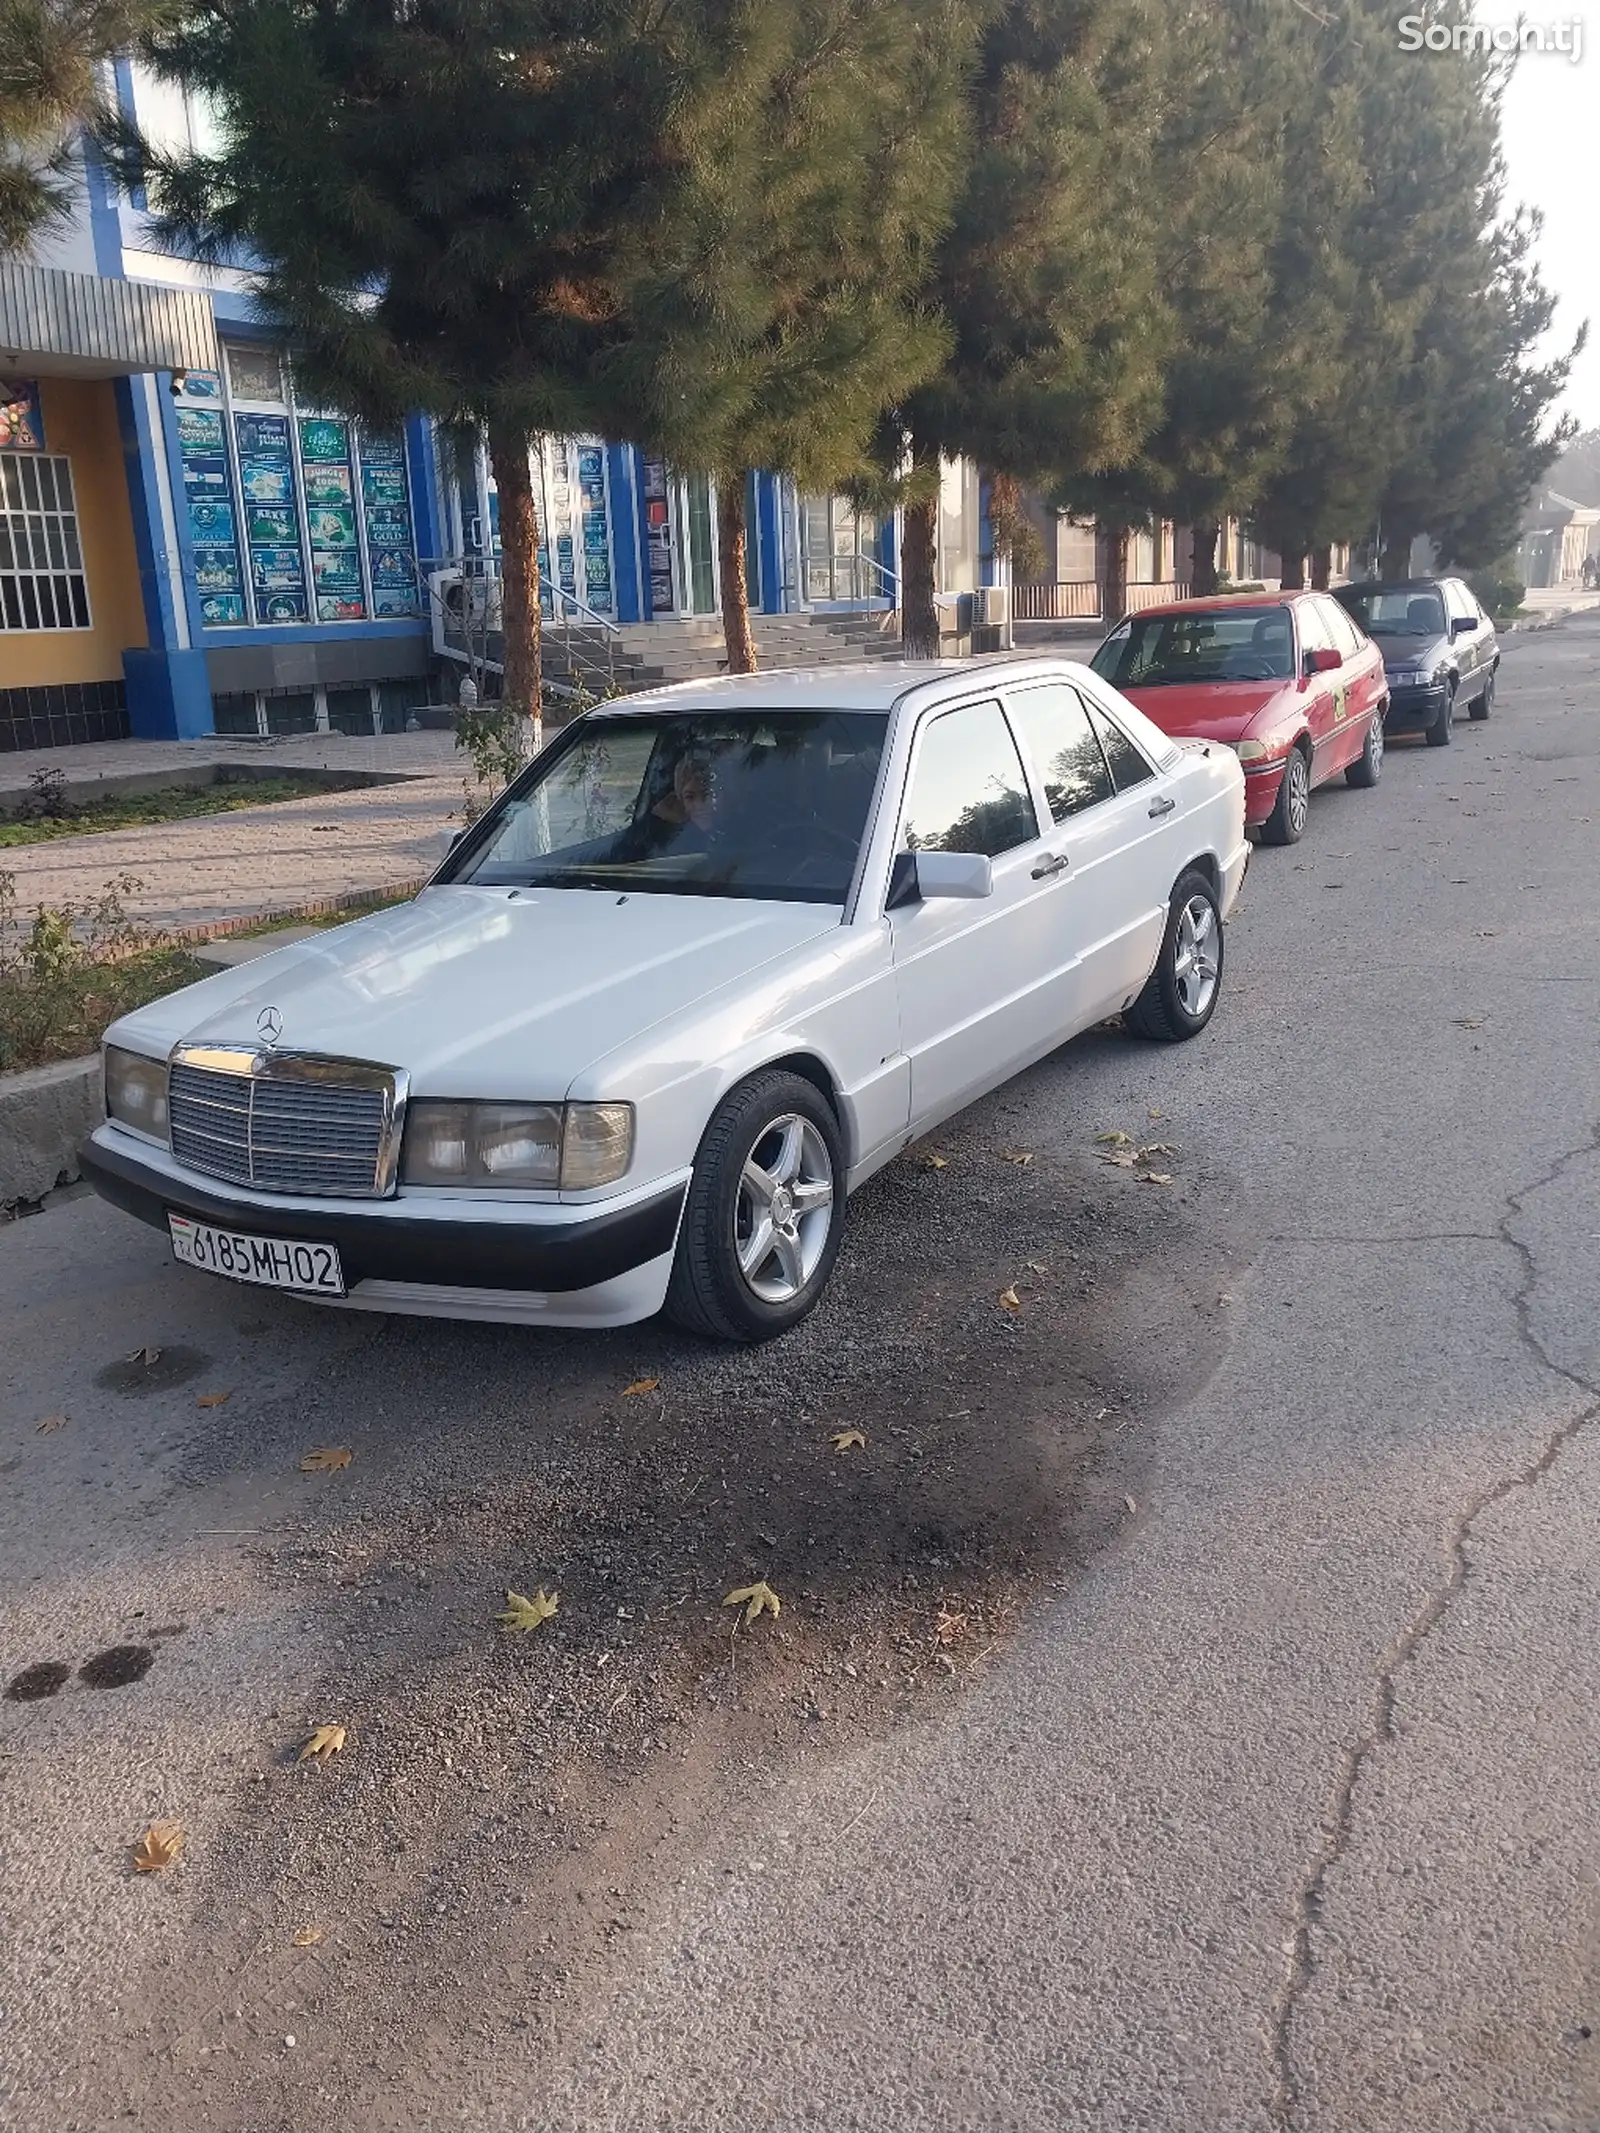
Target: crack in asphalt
[
  {"x": 1379, "y": 1729},
  {"x": 1429, "y": 1236}
]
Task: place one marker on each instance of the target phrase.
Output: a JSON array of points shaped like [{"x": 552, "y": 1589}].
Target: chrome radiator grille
[{"x": 320, "y": 1127}]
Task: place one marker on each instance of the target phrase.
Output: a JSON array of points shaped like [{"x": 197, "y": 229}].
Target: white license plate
[{"x": 274, "y": 1262}]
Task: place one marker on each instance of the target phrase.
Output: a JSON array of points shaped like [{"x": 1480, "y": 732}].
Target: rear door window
[
  {"x": 1055, "y": 730},
  {"x": 1343, "y": 631},
  {"x": 1128, "y": 764}
]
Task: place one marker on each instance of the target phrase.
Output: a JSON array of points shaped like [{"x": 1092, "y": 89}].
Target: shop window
[
  {"x": 350, "y": 710},
  {"x": 396, "y": 701},
  {"x": 294, "y": 515},
  {"x": 840, "y": 547},
  {"x": 235, "y": 714},
  {"x": 292, "y": 711},
  {"x": 42, "y": 585}
]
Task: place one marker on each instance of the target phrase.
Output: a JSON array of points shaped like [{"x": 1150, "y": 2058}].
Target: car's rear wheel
[
  {"x": 1441, "y": 732},
  {"x": 1180, "y": 996},
  {"x": 1483, "y": 704},
  {"x": 1287, "y": 822},
  {"x": 764, "y": 1215},
  {"x": 1367, "y": 768}
]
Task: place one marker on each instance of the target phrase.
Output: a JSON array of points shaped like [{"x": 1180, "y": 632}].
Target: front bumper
[
  {"x": 543, "y": 1262},
  {"x": 1261, "y": 782},
  {"x": 1414, "y": 706}
]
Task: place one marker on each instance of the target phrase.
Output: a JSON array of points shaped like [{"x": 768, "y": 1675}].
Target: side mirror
[
  {"x": 923, "y": 877},
  {"x": 1461, "y": 624},
  {"x": 1322, "y": 659}
]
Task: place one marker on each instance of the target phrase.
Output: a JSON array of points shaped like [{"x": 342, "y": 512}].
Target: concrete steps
[{"x": 646, "y": 654}]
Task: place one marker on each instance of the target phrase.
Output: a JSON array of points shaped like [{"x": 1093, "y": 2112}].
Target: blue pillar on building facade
[{"x": 168, "y": 688}]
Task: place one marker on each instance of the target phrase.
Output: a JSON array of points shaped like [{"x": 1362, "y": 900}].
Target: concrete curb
[
  {"x": 352, "y": 904},
  {"x": 46, "y": 1114}
]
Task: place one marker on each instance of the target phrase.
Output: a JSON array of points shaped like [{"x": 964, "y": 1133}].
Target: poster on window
[
  {"x": 208, "y": 506},
  {"x": 658, "y": 538},
  {"x": 272, "y": 527},
  {"x": 21, "y": 420},
  {"x": 386, "y": 515},
  {"x": 202, "y": 387},
  {"x": 596, "y": 527},
  {"x": 326, "y": 485}
]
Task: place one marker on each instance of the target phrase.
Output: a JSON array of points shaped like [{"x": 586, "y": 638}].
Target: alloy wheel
[
  {"x": 1299, "y": 782},
  {"x": 783, "y": 1210},
  {"x": 1195, "y": 968}
]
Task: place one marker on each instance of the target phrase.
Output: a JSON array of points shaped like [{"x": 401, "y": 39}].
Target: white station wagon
[{"x": 711, "y": 961}]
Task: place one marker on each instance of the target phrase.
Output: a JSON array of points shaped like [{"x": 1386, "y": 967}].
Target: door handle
[
  {"x": 1163, "y": 806},
  {"x": 1057, "y": 863}
]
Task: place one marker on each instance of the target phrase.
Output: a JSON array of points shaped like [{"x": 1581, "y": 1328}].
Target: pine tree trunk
[
  {"x": 919, "y": 562},
  {"x": 731, "y": 551},
  {"x": 1321, "y": 567},
  {"x": 1292, "y": 577},
  {"x": 1203, "y": 557},
  {"x": 521, "y": 678},
  {"x": 1111, "y": 568}
]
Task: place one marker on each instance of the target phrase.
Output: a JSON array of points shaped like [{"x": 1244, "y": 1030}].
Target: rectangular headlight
[
  {"x": 491, "y": 1146},
  {"x": 136, "y": 1092}
]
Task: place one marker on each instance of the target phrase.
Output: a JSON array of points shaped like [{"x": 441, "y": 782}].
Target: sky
[{"x": 1551, "y": 126}]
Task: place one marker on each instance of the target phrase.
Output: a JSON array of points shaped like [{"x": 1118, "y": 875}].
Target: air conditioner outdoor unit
[
  {"x": 460, "y": 602},
  {"x": 991, "y": 606}
]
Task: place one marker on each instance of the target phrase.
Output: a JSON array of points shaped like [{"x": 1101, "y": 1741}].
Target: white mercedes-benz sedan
[{"x": 711, "y": 961}]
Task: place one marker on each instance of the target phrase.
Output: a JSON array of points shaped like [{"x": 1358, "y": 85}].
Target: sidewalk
[{"x": 222, "y": 871}]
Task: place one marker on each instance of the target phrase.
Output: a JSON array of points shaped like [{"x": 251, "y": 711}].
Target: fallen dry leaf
[
  {"x": 1151, "y": 1148},
  {"x": 521, "y": 1613},
  {"x": 1155, "y": 1177},
  {"x": 1010, "y": 1300},
  {"x": 639, "y": 1385},
  {"x": 935, "y": 1162},
  {"x": 1020, "y": 1156},
  {"x": 1115, "y": 1139},
  {"x": 755, "y": 1600},
  {"x": 214, "y": 1399},
  {"x": 1119, "y": 1158},
  {"x": 845, "y": 1440},
  {"x": 325, "y": 1742},
  {"x": 50, "y": 1424},
  {"x": 308, "y": 1936},
  {"x": 326, "y": 1459},
  {"x": 158, "y": 1847},
  {"x": 948, "y": 1626},
  {"x": 148, "y": 1356},
  {"x": 1132, "y": 1506},
  {"x": 1465, "y": 1022}
]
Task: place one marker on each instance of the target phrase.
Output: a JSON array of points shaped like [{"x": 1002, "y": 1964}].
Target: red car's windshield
[{"x": 1198, "y": 645}]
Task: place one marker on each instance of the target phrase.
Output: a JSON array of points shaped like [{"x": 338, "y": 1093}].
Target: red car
[{"x": 1288, "y": 681}]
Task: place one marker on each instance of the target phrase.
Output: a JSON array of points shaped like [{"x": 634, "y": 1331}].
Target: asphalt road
[{"x": 1183, "y": 1714}]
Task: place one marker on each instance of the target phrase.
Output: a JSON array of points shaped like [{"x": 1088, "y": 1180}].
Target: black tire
[
  {"x": 1287, "y": 822},
  {"x": 1483, "y": 703},
  {"x": 709, "y": 1292},
  {"x": 1367, "y": 768},
  {"x": 1161, "y": 1012},
  {"x": 1441, "y": 732}
]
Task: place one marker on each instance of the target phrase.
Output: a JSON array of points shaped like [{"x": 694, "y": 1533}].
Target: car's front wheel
[
  {"x": 1180, "y": 995},
  {"x": 765, "y": 1211},
  {"x": 1287, "y": 822},
  {"x": 1440, "y": 733},
  {"x": 1367, "y": 768}
]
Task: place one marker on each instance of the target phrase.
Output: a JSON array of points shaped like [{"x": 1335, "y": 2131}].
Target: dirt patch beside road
[{"x": 459, "y": 1877}]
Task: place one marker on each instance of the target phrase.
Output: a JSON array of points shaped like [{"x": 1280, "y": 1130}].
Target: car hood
[
  {"x": 1213, "y": 710},
  {"x": 1423, "y": 650},
  {"x": 487, "y": 992}
]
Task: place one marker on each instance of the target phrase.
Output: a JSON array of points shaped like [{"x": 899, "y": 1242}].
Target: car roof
[
  {"x": 1219, "y": 603},
  {"x": 1398, "y": 585},
  {"x": 851, "y": 685}
]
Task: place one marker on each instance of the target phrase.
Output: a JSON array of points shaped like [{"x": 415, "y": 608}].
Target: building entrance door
[{"x": 695, "y": 545}]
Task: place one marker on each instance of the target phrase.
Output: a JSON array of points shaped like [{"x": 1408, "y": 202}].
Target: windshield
[
  {"x": 766, "y": 804},
  {"x": 1231, "y": 644},
  {"x": 1398, "y": 611}
]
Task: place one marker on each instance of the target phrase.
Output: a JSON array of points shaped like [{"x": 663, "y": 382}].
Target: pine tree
[
  {"x": 772, "y": 307},
  {"x": 52, "y": 55},
  {"x": 1047, "y": 275}
]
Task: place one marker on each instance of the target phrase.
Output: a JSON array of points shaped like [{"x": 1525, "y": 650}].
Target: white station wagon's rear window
[{"x": 767, "y": 804}]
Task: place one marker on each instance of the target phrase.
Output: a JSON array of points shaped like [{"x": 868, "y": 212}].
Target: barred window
[{"x": 42, "y": 585}]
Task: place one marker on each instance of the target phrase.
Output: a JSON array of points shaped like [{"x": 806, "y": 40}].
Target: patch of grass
[
  {"x": 175, "y": 803},
  {"x": 74, "y": 969}
]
